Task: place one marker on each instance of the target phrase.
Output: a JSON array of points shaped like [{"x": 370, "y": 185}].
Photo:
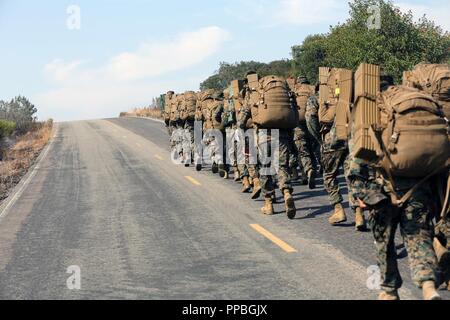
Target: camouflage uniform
[
  {"x": 301, "y": 149},
  {"x": 414, "y": 219},
  {"x": 249, "y": 170},
  {"x": 313, "y": 126},
  {"x": 332, "y": 159},
  {"x": 283, "y": 175}
]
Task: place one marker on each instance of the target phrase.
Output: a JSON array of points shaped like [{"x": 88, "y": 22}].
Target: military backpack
[{"x": 275, "y": 108}]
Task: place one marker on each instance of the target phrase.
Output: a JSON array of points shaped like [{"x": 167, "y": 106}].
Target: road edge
[
  {"x": 25, "y": 181},
  {"x": 147, "y": 118}
]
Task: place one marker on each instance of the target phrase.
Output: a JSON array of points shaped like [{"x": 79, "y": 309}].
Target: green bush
[{"x": 6, "y": 128}]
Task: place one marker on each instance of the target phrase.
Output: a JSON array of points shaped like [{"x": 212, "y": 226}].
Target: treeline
[
  {"x": 18, "y": 115},
  {"x": 399, "y": 44},
  {"x": 231, "y": 71}
]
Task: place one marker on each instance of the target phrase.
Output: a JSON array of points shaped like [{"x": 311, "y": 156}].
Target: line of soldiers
[{"x": 303, "y": 152}]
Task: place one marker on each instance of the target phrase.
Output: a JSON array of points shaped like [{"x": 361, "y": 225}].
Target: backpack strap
[
  {"x": 445, "y": 204},
  {"x": 399, "y": 202}
]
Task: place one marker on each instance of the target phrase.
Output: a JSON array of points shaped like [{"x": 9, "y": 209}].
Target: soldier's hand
[{"x": 361, "y": 204}]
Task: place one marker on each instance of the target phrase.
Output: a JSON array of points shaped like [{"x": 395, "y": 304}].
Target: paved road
[{"x": 106, "y": 198}]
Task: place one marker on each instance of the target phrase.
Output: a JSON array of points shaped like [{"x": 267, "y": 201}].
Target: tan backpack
[
  {"x": 275, "y": 109},
  {"x": 433, "y": 79},
  {"x": 175, "y": 108},
  {"x": 413, "y": 136},
  {"x": 189, "y": 106},
  {"x": 302, "y": 94},
  {"x": 328, "y": 96}
]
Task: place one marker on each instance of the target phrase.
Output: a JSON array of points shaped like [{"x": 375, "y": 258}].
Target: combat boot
[
  {"x": 338, "y": 215},
  {"x": 311, "y": 179},
  {"x": 237, "y": 174},
  {"x": 289, "y": 202},
  {"x": 245, "y": 185},
  {"x": 268, "y": 206},
  {"x": 360, "y": 222},
  {"x": 256, "y": 188},
  {"x": 429, "y": 291},
  {"x": 198, "y": 167},
  {"x": 389, "y": 295},
  {"x": 294, "y": 174}
]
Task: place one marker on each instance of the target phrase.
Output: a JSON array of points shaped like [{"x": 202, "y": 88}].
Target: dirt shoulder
[{"x": 21, "y": 156}]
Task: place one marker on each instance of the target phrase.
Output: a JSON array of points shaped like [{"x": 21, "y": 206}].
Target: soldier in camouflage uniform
[
  {"x": 267, "y": 171},
  {"x": 302, "y": 140},
  {"x": 414, "y": 218},
  {"x": 176, "y": 139},
  {"x": 313, "y": 125},
  {"x": 249, "y": 171},
  {"x": 167, "y": 106}
]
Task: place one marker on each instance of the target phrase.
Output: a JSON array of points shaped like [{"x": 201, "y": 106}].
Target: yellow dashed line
[
  {"x": 193, "y": 181},
  {"x": 159, "y": 157},
  {"x": 283, "y": 245}
]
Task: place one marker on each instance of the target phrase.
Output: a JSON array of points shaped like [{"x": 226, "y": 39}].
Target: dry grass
[
  {"x": 143, "y": 112},
  {"x": 20, "y": 157}
]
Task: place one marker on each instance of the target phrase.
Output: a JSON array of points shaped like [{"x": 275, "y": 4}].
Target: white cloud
[
  {"x": 127, "y": 80},
  {"x": 288, "y": 12},
  {"x": 436, "y": 11},
  {"x": 307, "y": 12},
  {"x": 154, "y": 59}
]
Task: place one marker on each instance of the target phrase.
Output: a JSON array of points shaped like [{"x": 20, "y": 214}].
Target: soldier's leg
[
  {"x": 266, "y": 172},
  {"x": 284, "y": 178},
  {"x": 360, "y": 222},
  {"x": 294, "y": 162},
  {"x": 306, "y": 155},
  {"x": 418, "y": 231},
  {"x": 331, "y": 163},
  {"x": 384, "y": 223}
]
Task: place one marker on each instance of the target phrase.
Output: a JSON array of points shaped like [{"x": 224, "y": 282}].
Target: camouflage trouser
[
  {"x": 313, "y": 126},
  {"x": 188, "y": 141},
  {"x": 249, "y": 170},
  {"x": 415, "y": 221},
  {"x": 301, "y": 154},
  {"x": 267, "y": 171},
  {"x": 176, "y": 139},
  {"x": 332, "y": 160}
]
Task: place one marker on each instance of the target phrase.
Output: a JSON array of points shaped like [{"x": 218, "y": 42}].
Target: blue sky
[{"x": 126, "y": 52}]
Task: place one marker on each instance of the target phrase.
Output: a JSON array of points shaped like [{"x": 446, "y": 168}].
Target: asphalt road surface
[{"x": 106, "y": 200}]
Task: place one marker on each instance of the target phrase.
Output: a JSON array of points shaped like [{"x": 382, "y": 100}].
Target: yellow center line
[
  {"x": 283, "y": 245},
  {"x": 159, "y": 157},
  {"x": 193, "y": 181}
]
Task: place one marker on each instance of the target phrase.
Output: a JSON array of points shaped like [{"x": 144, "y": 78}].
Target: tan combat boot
[
  {"x": 360, "y": 222},
  {"x": 389, "y": 295},
  {"x": 429, "y": 291},
  {"x": 338, "y": 215},
  {"x": 289, "y": 202},
  {"x": 245, "y": 185},
  {"x": 268, "y": 206},
  {"x": 256, "y": 188},
  {"x": 237, "y": 174}
]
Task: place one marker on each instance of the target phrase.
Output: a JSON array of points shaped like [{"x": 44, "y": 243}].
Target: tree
[
  {"x": 398, "y": 45},
  {"x": 231, "y": 71},
  {"x": 20, "y": 111}
]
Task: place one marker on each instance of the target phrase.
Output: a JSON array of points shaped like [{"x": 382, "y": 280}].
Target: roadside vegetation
[
  {"x": 146, "y": 112},
  {"x": 22, "y": 138}
]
